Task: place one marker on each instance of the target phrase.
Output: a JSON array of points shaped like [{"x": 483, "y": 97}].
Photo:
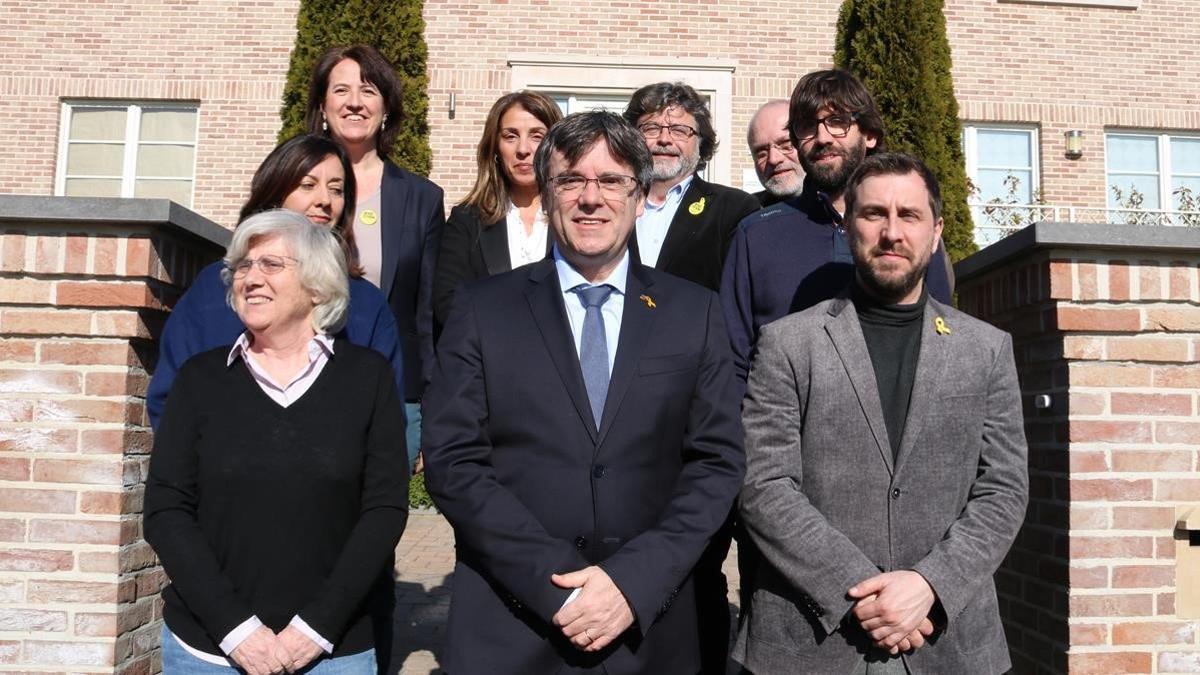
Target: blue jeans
[
  {"x": 178, "y": 661},
  {"x": 412, "y": 435}
]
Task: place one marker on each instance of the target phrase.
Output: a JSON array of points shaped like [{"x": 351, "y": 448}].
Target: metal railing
[{"x": 995, "y": 221}]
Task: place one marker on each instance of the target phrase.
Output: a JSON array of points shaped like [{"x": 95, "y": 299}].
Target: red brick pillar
[
  {"x": 1106, "y": 333},
  {"x": 83, "y": 284}
]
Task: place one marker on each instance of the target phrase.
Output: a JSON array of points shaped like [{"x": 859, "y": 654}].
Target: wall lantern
[{"x": 1074, "y": 144}]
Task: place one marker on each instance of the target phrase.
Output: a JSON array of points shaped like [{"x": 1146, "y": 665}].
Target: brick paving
[{"x": 424, "y": 567}]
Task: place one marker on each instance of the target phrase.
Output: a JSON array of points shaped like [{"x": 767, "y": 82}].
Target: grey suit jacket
[{"x": 827, "y": 507}]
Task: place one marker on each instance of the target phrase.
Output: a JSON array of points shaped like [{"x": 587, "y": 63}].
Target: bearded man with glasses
[
  {"x": 688, "y": 222},
  {"x": 793, "y": 254},
  {"x": 579, "y": 435}
]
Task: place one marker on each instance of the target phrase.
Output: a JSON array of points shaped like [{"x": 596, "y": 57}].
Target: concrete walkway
[{"x": 424, "y": 566}]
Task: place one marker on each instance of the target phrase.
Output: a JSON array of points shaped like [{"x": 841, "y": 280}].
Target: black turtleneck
[{"x": 893, "y": 335}]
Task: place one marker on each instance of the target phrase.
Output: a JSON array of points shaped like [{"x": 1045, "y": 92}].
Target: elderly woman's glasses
[
  {"x": 611, "y": 185},
  {"x": 680, "y": 132},
  {"x": 837, "y": 125},
  {"x": 267, "y": 264}
]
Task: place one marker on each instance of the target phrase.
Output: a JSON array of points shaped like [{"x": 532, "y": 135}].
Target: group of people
[{"x": 610, "y": 367}]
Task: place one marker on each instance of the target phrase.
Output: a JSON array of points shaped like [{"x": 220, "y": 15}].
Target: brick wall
[
  {"x": 80, "y": 304},
  {"x": 1060, "y": 67},
  {"x": 1105, "y": 322}
]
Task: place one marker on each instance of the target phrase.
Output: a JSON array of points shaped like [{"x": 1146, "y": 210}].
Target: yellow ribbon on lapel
[
  {"x": 939, "y": 324},
  {"x": 648, "y": 300},
  {"x": 696, "y": 207}
]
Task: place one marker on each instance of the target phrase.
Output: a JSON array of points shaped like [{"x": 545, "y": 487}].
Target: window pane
[
  {"x": 97, "y": 124},
  {"x": 1004, "y": 148},
  {"x": 178, "y": 191},
  {"x": 169, "y": 125},
  {"x": 1185, "y": 155},
  {"x": 1014, "y": 187},
  {"x": 93, "y": 187},
  {"x": 1132, "y": 154},
  {"x": 95, "y": 159},
  {"x": 171, "y": 161},
  {"x": 563, "y": 104},
  {"x": 611, "y": 103},
  {"x": 1146, "y": 186}
]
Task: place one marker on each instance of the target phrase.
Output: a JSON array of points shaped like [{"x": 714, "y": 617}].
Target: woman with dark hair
[
  {"x": 354, "y": 97},
  {"x": 500, "y": 225},
  {"x": 310, "y": 175}
]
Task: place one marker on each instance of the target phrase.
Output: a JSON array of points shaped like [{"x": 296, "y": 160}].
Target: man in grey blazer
[{"x": 886, "y": 461}]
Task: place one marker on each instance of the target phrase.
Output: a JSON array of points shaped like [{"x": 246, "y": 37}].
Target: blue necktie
[{"x": 593, "y": 347}]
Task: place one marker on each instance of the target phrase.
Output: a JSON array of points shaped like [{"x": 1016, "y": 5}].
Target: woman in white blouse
[{"x": 500, "y": 225}]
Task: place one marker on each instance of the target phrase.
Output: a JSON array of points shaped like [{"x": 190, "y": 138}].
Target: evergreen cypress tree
[
  {"x": 396, "y": 29},
  {"x": 899, "y": 49}
]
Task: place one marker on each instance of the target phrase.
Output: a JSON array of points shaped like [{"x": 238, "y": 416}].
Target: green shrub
[
  {"x": 899, "y": 49},
  {"x": 418, "y": 496},
  {"x": 396, "y": 29}
]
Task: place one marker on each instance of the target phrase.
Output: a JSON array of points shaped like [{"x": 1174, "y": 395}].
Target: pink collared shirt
[{"x": 320, "y": 348}]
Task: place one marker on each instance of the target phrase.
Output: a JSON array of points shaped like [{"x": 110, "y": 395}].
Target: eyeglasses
[
  {"x": 784, "y": 147},
  {"x": 611, "y": 185},
  {"x": 838, "y": 125},
  {"x": 680, "y": 132},
  {"x": 267, "y": 264}
]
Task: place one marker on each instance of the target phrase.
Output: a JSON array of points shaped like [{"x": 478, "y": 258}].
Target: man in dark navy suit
[{"x": 580, "y": 437}]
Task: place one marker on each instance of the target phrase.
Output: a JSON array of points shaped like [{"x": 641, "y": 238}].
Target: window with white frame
[
  {"x": 1002, "y": 164},
  {"x": 128, "y": 149},
  {"x": 1152, "y": 171},
  {"x": 611, "y": 80}
]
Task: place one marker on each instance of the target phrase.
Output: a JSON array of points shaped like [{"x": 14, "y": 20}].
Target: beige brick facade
[{"x": 1056, "y": 66}]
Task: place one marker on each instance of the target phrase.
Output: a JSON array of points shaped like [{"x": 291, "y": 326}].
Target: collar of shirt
[
  {"x": 569, "y": 278},
  {"x": 320, "y": 350},
  {"x": 655, "y": 220},
  {"x": 817, "y": 206},
  {"x": 524, "y": 249}
]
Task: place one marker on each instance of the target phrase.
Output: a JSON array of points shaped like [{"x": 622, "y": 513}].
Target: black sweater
[
  {"x": 255, "y": 509},
  {"x": 893, "y": 336}
]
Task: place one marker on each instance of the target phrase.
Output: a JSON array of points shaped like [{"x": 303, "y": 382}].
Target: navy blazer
[
  {"x": 413, "y": 216},
  {"x": 515, "y": 462}
]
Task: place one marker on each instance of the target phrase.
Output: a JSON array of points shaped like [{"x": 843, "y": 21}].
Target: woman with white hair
[{"x": 278, "y": 484}]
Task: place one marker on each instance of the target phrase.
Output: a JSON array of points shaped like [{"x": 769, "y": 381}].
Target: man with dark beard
[
  {"x": 688, "y": 222},
  {"x": 793, "y": 254},
  {"x": 886, "y": 471}
]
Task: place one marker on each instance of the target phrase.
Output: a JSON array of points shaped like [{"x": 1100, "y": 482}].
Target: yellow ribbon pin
[
  {"x": 697, "y": 207},
  {"x": 939, "y": 324},
  {"x": 369, "y": 217},
  {"x": 648, "y": 300}
]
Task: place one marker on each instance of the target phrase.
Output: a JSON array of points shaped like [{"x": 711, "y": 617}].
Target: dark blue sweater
[
  {"x": 202, "y": 320},
  {"x": 786, "y": 258}
]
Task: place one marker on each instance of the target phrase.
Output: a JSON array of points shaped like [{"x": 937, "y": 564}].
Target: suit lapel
[
  {"x": 546, "y": 303},
  {"x": 392, "y": 198},
  {"x": 637, "y": 322},
  {"x": 685, "y": 224},
  {"x": 931, "y": 365},
  {"x": 493, "y": 244},
  {"x": 846, "y": 333}
]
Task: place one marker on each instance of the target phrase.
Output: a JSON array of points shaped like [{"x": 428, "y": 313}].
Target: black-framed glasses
[
  {"x": 838, "y": 125},
  {"x": 784, "y": 147},
  {"x": 680, "y": 132},
  {"x": 610, "y": 184},
  {"x": 267, "y": 264}
]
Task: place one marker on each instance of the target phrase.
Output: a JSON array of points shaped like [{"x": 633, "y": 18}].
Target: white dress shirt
[
  {"x": 655, "y": 220},
  {"x": 524, "y": 249}
]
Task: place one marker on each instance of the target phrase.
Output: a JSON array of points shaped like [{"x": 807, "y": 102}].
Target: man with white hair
[{"x": 775, "y": 158}]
